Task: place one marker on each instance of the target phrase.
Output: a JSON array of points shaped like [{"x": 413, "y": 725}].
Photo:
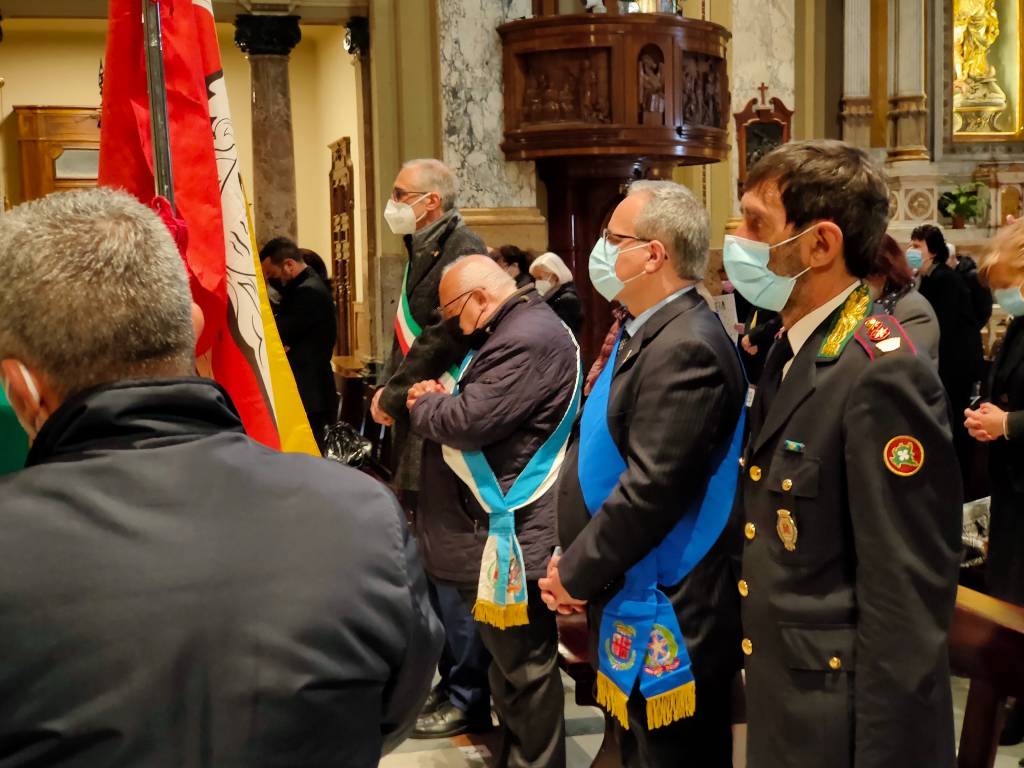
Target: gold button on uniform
[
  {"x": 749, "y": 531},
  {"x": 787, "y": 484},
  {"x": 743, "y": 587},
  {"x": 747, "y": 646},
  {"x": 755, "y": 473},
  {"x": 835, "y": 663}
]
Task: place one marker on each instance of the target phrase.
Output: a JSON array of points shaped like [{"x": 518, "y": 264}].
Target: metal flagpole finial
[{"x": 156, "y": 85}]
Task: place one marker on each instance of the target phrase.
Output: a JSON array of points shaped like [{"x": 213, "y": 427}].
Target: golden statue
[{"x": 978, "y": 101}]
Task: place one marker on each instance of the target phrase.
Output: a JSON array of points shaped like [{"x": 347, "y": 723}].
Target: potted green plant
[{"x": 960, "y": 203}]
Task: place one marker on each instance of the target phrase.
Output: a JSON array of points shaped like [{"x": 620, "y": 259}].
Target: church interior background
[{"x": 545, "y": 111}]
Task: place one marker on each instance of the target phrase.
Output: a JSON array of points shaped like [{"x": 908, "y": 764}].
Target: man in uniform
[{"x": 850, "y": 497}]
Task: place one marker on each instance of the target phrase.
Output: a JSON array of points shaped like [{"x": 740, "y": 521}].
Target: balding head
[{"x": 472, "y": 289}]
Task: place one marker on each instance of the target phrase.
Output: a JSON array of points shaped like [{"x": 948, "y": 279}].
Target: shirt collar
[
  {"x": 804, "y": 327},
  {"x": 634, "y": 325}
]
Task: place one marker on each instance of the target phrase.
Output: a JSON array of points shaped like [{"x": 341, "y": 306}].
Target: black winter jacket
[
  {"x": 512, "y": 397},
  {"x": 175, "y": 595}
]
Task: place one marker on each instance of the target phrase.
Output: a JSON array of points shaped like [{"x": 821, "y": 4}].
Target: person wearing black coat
[
  {"x": 554, "y": 282},
  {"x": 173, "y": 593},
  {"x": 961, "y": 354},
  {"x": 1000, "y": 422},
  {"x": 518, "y": 389},
  {"x": 675, "y": 398},
  {"x": 981, "y": 297},
  {"x": 308, "y": 325}
]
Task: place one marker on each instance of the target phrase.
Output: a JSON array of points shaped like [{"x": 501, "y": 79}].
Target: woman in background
[
  {"x": 892, "y": 286},
  {"x": 554, "y": 282},
  {"x": 515, "y": 261}
]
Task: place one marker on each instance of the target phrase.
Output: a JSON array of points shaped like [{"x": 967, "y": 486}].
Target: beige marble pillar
[
  {"x": 857, "y": 113},
  {"x": 267, "y": 42},
  {"x": 908, "y": 102}
]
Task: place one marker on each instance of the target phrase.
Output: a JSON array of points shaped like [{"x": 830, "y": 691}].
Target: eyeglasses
[
  {"x": 614, "y": 238},
  {"x": 398, "y": 193},
  {"x": 441, "y": 309}
]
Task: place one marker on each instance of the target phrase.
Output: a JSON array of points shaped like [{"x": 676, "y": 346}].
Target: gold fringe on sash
[
  {"x": 671, "y": 706},
  {"x": 500, "y": 616},
  {"x": 612, "y": 699}
]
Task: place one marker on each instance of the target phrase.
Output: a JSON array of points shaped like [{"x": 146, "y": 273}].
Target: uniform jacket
[
  {"x": 175, "y": 595},
  {"x": 849, "y": 569},
  {"x": 1006, "y": 472},
  {"x": 308, "y": 326},
  {"x": 512, "y": 397},
  {"x": 430, "y": 251},
  {"x": 917, "y": 317},
  {"x": 676, "y": 393}
]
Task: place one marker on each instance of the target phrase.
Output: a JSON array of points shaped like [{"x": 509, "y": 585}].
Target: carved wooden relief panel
[{"x": 566, "y": 86}]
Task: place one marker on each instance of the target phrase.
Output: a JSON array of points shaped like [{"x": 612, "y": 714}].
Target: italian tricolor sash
[
  {"x": 640, "y": 636},
  {"x": 501, "y": 593},
  {"x": 407, "y": 330}
]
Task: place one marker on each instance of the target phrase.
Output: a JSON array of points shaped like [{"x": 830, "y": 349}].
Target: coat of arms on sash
[
  {"x": 620, "y": 650},
  {"x": 662, "y": 652}
]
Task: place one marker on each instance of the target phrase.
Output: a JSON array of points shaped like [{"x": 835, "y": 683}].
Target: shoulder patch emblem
[
  {"x": 882, "y": 334},
  {"x": 903, "y": 455}
]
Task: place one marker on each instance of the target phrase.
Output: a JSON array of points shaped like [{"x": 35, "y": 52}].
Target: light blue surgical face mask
[
  {"x": 914, "y": 258},
  {"x": 1010, "y": 299},
  {"x": 602, "y": 268},
  {"x": 746, "y": 264}
]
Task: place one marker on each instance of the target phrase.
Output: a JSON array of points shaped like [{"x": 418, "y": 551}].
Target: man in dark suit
[
  {"x": 173, "y": 593},
  {"x": 308, "y": 326},
  {"x": 850, "y": 501},
  {"x": 669, "y": 404}
]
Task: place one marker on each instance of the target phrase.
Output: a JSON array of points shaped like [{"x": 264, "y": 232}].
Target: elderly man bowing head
[{"x": 486, "y": 521}]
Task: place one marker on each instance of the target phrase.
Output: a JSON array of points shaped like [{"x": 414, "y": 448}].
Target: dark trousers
[
  {"x": 318, "y": 421},
  {"x": 701, "y": 741},
  {"x": 464, "y": 659},
  {"x": 527, "y": 687}
]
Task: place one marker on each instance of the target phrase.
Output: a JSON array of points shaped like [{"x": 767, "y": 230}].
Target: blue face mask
[
  {"x": 746, "y": 264},
  {"x": 1010, "y": 299},
  {"x": 914, "y": 258},
  {"x": 602, "y": 268}
]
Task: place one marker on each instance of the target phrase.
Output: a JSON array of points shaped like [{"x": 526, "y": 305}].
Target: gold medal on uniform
[{"x": 786, "y": 528}]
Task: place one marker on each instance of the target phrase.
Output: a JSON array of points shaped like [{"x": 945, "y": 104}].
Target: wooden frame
[{"x": 763, "y": 123}]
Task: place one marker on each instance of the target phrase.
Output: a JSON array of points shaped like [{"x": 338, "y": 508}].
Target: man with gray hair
[
  {"x": 422, "y": 211},
  {"x": 171, "y": 591},
  {"x": 486, "y": 520},
  {"x": 646, "y": 492}
]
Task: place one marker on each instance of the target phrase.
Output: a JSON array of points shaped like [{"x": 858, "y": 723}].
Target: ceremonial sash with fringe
[
  {"x": 501, "y": 593},
  {"x": 640, "y": 635}
]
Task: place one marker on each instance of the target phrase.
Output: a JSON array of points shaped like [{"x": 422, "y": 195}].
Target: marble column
[
  {"x": 267, "y": 41},
  {"x": 908, "y": 101},
  {"x": 763, "y": 50},
  {"x": 856, "y": 109},
  {"x": 499, "y": 198}
]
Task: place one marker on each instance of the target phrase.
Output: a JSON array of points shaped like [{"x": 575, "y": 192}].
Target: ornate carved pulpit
[{"x": 601, "y": 100}]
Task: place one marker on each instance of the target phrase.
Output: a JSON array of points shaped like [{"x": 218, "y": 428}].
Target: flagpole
[{"x": 156, "y": 86}]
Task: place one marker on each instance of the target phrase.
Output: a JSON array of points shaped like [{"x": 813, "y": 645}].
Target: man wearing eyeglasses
[
  {"x": 422, "y": 211},
  {"x": 646, "y": 491}
]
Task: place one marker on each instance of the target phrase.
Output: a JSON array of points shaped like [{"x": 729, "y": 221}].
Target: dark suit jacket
[
  {"x": 175, "y": 595},
  {"x": 675, "y": 397},
  {"x": 848, "y": 662},
  {"x": 1006, "y": 471},
  {"x": 308, "y": 326}
]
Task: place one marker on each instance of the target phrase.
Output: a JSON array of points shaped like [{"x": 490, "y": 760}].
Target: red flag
[{"x": 126, "y": 162}]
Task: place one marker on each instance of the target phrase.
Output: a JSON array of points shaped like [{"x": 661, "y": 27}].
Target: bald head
[{"x": 472, "y": 289}]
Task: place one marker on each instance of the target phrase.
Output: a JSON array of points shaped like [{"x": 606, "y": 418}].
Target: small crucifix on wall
[{"x": 760, "y": 128}]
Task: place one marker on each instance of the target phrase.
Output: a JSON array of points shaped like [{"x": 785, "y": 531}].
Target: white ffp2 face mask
[{"x": 401, "y": 218}]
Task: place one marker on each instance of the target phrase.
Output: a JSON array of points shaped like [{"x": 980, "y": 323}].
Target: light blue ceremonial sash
[
  {"x": 640, "y": 634},
  {"x": 501, "y": 592}
]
